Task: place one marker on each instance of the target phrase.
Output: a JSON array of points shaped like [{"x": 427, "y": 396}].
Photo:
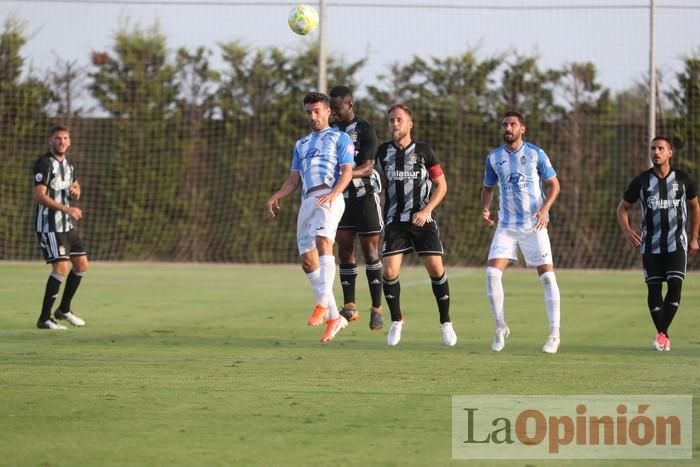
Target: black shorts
[
  {"x": 58, "y": 246},
  {"x": 405, "y": 237},
  {"x": 661, "y": 267},
  {"x": 363, "y": 215}
]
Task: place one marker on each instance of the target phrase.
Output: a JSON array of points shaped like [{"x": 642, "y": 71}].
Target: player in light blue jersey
[
  {"x": 322, "y": 163},
  {"x": 520, "y": 169}
]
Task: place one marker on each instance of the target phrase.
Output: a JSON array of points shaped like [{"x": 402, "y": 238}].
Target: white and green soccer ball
[{"x": 303, "y": 19}]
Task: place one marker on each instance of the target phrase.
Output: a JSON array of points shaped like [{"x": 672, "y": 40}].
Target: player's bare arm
[
  {"x": 486, "y": 196},
  {"x": 364, "y": 169},
  {"x": 288, "y": 187},
  {"x": 41, "y": 196},
  {"x": 343, "y": 181},
  {"x": 623, "y": 219},
  {"x": 552, "y": 189},
  {"x": 694, "y": 214},
  {"x": 437, "y": 194},
  {"x": 75, "y": 190}
]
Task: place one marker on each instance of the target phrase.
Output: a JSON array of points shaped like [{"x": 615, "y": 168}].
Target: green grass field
[{"x": 214, "y": 365}]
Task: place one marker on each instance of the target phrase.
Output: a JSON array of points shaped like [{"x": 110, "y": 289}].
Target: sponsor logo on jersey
[
  {"x": 403, "y": 174},
  {"x": 57, "y": 184},
  {"x": 516, "y": 182},
  {"x": 654, "y": 202}
]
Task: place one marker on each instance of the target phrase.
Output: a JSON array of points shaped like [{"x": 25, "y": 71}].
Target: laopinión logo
[{"x": 572, "y": 427}]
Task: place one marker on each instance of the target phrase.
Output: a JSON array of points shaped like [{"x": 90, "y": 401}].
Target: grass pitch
[{"x": 214, "y": 365}]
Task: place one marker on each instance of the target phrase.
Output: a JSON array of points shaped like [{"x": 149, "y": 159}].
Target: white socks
[
  {"x": 551, "y": 301},
  {"x": 494, "y": 292},
  {"x": 322, "y": 285}
]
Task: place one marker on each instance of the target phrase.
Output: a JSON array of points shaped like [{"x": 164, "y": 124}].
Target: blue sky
[{"x": 613, "y": 35}]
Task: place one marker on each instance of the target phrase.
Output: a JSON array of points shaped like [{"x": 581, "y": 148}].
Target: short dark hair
[
  {"x": 55, "y": 129},
  {"x": 513, "y": 113},
  {"x": 342, "y": 92},
  {"x": 403, "y": 107},
  {"x": 663, "y": 138},
  {"x": 313, "y": 97}
]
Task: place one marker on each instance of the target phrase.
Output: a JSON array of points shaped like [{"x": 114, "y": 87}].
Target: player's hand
[
  {"x": 326, "y": 199},
  {"x": 486, "y": 217},
  {"x": 633, "y": 237},
  {"x": 74, "y": 190},
  {"x": 74, "y": 213},
  {"x": 273, "y": 205},
  {"x": 541, "y": 220},
  {"x": 693, "y": 247},
  {"x": 421, "y": 217}
]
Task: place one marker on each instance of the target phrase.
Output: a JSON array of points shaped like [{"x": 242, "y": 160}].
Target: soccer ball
[{"x": 303, "y": 19}]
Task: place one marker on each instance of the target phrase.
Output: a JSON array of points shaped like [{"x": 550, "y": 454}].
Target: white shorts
[
  {"x": 317, "y": 221},
  {"x": 534, "y": 245}
]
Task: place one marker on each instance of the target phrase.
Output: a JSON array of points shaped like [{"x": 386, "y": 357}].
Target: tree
[
  {"x": 685, "y": 99},
  {"x": 23, "y": 134},
  {"x": 135, "y": 84}
]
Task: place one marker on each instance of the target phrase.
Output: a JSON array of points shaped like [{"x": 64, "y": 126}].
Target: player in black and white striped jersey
[
  {"x": 415, "y": 186},
  {"x": 55, "y": 186},
  {"x": 669, "y": 199},
  {"x": 362, "y": 216}
]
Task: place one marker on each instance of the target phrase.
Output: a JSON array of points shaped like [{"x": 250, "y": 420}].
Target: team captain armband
[{"x": 435, "y": 171}]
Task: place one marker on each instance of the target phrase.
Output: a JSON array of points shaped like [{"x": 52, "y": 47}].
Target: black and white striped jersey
[
  {"x": 664, "y": 209},
  {"x": 408, "y": 174},
  {"x": 364, "y": 137},
  {"x": 57, "y": 176}
]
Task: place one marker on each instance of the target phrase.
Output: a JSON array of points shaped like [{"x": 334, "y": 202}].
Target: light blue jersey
[
  {"x": 319, "y": 155},
  {"x": 519, "y": 175}
]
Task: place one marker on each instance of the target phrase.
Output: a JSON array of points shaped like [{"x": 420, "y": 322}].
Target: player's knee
[
  {"x": 390, "y": 274},
  {"x": 81, "y": 265},
  {"x": 61, "y": 267},
  {"x": 675, "y": 285}
]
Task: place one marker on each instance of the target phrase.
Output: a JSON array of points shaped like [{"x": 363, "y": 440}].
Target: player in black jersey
[
  {"x": 668, "y": 198},
  {"x": 362, "y": 216},
  {"x": 415, "y": 187},
  {"x": 55, "y": 186}
]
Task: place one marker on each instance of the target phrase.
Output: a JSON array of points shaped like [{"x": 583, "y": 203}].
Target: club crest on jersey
[
  {"x": 674, "y": 186},
  {"x": 413, "y": 159},
  {"x": 353, "y": 136},
  {"x": 38, "y": 177},
  {"x": 523, "y": 160}
]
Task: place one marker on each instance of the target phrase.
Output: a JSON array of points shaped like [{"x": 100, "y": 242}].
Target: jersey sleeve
[
  {"x": 691, "y": 187},
  {"x": 490, "y": 175},
  {"x": 631, "y": 194},
  {"x": 432, "y": 163},
  {"x": 41, "y": 171},
  {"x": 346, "y": 150},
  {"x": 544, "y": 166},
  {"x": 296, "y": 158},
  {"x": 368, "y": 144}
]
